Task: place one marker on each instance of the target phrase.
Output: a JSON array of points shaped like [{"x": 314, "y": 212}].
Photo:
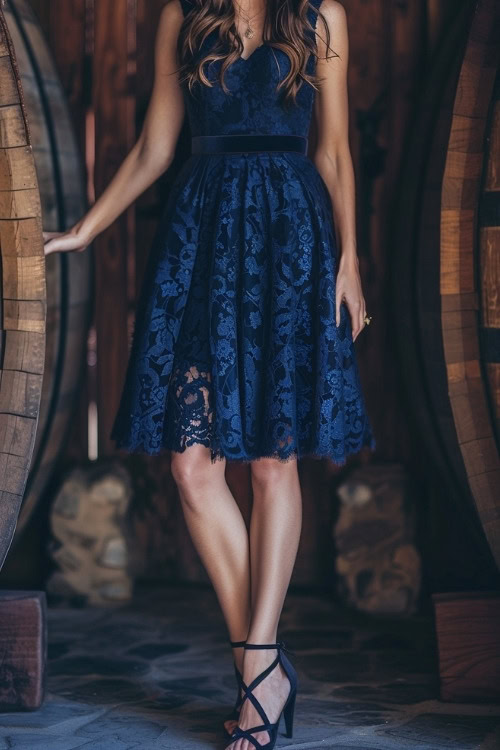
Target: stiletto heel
[
  {"x": 288, "y": 712},
  {"x": 239, "y": 698},
  {"x": 288, "y": 709}
]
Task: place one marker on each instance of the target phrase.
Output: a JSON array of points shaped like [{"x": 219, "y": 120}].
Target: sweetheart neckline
[{"x": 246, "y": 59}]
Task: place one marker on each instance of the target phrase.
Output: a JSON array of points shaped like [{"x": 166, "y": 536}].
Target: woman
[{"x": 243, "y": 342}]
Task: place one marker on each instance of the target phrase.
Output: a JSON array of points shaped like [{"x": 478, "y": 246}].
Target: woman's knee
[
  {"x": 191, "y": 467},
  {"x": 271, "y": 470}
]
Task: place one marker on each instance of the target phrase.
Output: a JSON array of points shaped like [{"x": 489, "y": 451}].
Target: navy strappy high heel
[
  {"x": 235, "y": 713},
  {"x": 287, "y": 710}
]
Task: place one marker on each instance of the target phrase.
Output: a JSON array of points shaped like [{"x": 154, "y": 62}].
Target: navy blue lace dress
[{"x": 235, "y": 343}]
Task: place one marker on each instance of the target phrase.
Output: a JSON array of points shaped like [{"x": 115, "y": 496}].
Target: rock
[
  {"x": 378, "y": 565},
  {"x": 90, "y": 535}
]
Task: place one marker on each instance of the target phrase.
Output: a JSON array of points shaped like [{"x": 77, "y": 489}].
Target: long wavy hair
[{"x": 285, "y": 27}]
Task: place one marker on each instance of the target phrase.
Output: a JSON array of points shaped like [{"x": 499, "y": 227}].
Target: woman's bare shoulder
[
  {"x": 332, "y": 10},
  {"x": 334, "y": 16},
  {"x": 169, "y": 24},
  {"x": 172, "y": 12}
]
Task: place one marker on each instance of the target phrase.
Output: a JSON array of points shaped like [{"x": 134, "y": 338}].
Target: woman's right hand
[
  {"x": 65, "y": 242},
  {"x": 153, "y": 151}
]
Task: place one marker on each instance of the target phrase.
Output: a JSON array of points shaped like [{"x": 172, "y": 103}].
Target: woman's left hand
[{"x": 348, "y": 289}]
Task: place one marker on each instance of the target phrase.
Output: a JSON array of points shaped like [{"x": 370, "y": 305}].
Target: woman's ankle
[{"x": 261, "y": 639}]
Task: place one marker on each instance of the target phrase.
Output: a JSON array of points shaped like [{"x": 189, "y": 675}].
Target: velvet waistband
[{"x": 216, "y": 144}]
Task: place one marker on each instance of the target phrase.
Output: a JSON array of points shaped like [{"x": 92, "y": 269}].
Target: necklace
[{"x": 249, "y": 31}]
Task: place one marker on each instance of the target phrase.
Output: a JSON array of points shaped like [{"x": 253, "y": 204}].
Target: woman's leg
[
  {"x": 213, "y": 518},
  {"x": 274, "y": 538},
  {"x": 219, "y": 534}
]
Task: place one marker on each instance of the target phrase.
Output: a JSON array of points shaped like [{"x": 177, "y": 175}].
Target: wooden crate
[
  {"x": 23, "y": 646},
  {"x": 468, "y": 638}
]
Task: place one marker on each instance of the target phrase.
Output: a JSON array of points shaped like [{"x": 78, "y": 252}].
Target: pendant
[{"x": 249, "y": 33}]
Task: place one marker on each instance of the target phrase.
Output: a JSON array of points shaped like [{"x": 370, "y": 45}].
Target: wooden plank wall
[{"x": 109, "y": 82}]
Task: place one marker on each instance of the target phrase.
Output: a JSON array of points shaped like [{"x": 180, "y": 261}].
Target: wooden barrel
[
  {"x": 435, "y": 280},
  {"x": 60, "y": 354},
  {"x": 23, "y": 295},
  {"x": 489, "y": 259},
  {"x": 459, "y": 258}
]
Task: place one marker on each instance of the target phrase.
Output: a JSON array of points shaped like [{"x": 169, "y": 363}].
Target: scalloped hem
[{"x": 219, "y": 454}]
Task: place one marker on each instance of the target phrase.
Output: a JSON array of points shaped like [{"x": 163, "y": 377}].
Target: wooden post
[
  {"x": 66, "y": 36},
  {"x": 114, "y": 105},
  {"x": 148, "y": 207},
  {"x": 370, "y": 134},
  {"x": 439, "y": 14}
]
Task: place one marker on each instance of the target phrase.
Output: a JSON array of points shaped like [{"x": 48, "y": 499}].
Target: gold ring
[{"x": 367, "y": 320}]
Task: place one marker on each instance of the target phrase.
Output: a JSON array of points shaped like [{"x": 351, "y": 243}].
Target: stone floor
[{"x": 158, "y": 674}]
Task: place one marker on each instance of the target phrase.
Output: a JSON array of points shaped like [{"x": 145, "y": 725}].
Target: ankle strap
[
  {"x": 280, "y": 646},
  {"x": 236, "y": 644}
]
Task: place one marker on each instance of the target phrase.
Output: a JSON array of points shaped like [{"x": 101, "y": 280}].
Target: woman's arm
[
  {"x": 152, "y": 153},
  {"x": 333, "y": 157}
]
